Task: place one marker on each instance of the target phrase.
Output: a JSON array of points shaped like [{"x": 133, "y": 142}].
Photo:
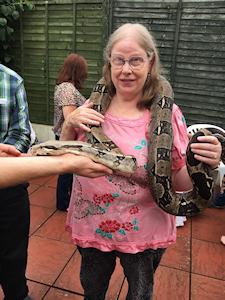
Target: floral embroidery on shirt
[
  {"x": 142, "y": 144},
  {"x": 108, "y": 227},
  {"x": 105, "y": 198},
  {"x": 86, "y": 208},
  {"x": 125, "y": 185},
  {"x": 134, "y": 210}
]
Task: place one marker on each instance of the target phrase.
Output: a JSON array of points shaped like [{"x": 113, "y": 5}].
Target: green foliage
[{"x": 10, "y": 12}]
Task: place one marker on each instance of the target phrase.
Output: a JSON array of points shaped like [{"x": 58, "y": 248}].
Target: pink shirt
[{"x": 116, "y": 212}]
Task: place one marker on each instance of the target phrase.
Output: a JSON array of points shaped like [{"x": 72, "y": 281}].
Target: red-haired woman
[{"x": 67, "y": 97}]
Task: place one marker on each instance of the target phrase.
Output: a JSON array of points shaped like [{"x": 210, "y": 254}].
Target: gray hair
[{"x": 146, "y": 41}]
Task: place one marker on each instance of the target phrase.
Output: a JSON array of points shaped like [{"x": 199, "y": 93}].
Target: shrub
[{"x": 10, "y": 12}]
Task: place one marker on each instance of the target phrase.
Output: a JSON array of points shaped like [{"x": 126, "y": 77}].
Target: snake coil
[{"x": 101, "y": 149}]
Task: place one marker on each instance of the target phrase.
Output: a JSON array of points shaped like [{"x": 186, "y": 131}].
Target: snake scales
[{"x": 101, "y": 149}]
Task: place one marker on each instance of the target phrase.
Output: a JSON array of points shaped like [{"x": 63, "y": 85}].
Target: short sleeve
[
  {"x": 180, "y": 138},
  {"x": 67, "y": 94}
]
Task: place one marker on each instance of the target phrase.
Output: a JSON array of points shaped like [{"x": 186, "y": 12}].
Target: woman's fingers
[{"x": 208, "y": 150}]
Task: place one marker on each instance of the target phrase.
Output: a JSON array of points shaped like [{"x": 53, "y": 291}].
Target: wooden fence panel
[
  {"x": 49, "y": 33},
  {"x": 200, "y": 62},
  {"x": 191, "y": 40},
  {"x": 190, "y": 36}
]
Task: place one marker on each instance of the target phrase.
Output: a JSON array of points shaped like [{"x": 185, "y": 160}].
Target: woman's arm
[{"x": 68, "y": 109}]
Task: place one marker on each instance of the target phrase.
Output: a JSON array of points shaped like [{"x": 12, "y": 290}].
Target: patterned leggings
[{"x": 97, "y": 268}]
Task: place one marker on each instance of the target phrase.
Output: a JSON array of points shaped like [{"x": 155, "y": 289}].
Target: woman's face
[{"x": 129, "y": 67}]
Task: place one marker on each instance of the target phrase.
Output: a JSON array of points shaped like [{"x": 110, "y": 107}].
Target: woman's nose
[{"x": 126, "y": 67}]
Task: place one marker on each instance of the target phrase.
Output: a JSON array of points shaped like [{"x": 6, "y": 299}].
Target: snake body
[{"x": 101, "y": 149}]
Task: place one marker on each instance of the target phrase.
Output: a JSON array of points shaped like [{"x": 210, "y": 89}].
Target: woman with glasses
[{"x": 115, "y": 216}]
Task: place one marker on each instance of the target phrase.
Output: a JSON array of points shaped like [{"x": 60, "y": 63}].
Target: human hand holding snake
[
  {"x": 208, "y": 150},
  {"x": 84, "y": 116}
]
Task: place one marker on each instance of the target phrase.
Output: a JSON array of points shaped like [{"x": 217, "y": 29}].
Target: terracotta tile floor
[{"x": 192, "y": 269}]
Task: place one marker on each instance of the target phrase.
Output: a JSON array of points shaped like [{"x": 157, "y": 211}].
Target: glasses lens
[
  {"x": 117, "y": 61},
  {"x": 136, "y": 61}
]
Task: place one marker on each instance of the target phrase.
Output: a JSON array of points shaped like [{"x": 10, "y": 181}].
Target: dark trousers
[
  {"x": 14, "y": 235},
  {"x": 63, "y": 189},
  {"x": 97, "y": 268}
]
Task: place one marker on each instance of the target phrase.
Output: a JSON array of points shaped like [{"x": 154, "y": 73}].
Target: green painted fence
[
  {"x": 47, "y": 35},
  {"x": 190, "y": 36}
]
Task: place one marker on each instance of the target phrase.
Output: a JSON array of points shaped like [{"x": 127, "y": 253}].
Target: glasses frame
[{"x": 123, "y": 60}]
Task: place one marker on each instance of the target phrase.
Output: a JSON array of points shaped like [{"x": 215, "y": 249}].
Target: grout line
[{"x": 190, "y": 270}]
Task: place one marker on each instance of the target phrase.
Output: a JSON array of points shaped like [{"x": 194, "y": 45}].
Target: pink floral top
[
  {"x": 65, "y": 94},
  {"x": 116, "y": 212}
]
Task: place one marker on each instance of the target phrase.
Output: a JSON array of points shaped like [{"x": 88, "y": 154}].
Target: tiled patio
[{"x": 192, "y": 269}]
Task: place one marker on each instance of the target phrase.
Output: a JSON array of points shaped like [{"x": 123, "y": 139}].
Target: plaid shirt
[{"x": 14, "y": 117}]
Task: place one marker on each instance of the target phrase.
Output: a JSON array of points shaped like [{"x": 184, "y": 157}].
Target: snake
[{"x": 102, "y": 149}]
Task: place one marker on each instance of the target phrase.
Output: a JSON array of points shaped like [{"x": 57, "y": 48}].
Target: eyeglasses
[{"x": 135, "y": 62}]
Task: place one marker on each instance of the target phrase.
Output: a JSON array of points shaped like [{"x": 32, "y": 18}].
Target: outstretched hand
[
  {"x": 208, "y": 150},
  {"x": 8, "y": 150}
]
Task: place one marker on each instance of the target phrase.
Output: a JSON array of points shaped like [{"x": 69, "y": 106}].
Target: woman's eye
[
  {"x": 136, "y": 61},
  {"x": 118, "y": 61}
]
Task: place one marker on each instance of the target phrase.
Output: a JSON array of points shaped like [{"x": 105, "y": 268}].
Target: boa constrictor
[{"x": 101, "y": 149}]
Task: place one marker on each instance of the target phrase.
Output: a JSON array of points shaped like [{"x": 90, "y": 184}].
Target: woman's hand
[
  {"x": 84, "y": 116},
  {"x": 208, "y": 150},
  {"x": 8, "y": 150}
]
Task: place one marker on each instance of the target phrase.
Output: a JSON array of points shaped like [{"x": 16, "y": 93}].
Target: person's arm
[
  {"x": 67, "y": 110},
  {"x": 19, "y": 128},
  {"x": 207, "y": 149},
  {"x": 17, "y": 170}
]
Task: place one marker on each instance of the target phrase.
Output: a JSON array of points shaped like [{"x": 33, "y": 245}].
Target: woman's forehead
[{"x": 127, "y": 45}]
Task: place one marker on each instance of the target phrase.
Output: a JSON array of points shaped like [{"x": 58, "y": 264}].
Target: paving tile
[
  {"x": 54, "y": 228},
  {"x": 170, "y": 284},
  {"x": 37, "y": 290},
  {"x": 44, "y": 196},
  {"x": 32, "y": 188},
  {"x": 41, "y": 180},
  {"x": 185, "y": 231},
  {"x": 69, "y": 279},
  {"x": 46, "y": 259},
  {"x": 38, "y": 215},
  {"x": 55, "y": 294},
  {"x": 205, "y": 288},
  {"x": 208, "y": 259},
  {"x": 52, "y": 182},
  {"x": 178, "y": 255},
  {"x": 210, "y": 225}
]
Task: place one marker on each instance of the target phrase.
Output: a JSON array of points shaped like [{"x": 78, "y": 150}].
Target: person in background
[
  {"x": 14, "y": 201},
  {"x": 116, "y": 216},
  {"x": 17, "y": 168},
  {"x": 67, "y": 97}
]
